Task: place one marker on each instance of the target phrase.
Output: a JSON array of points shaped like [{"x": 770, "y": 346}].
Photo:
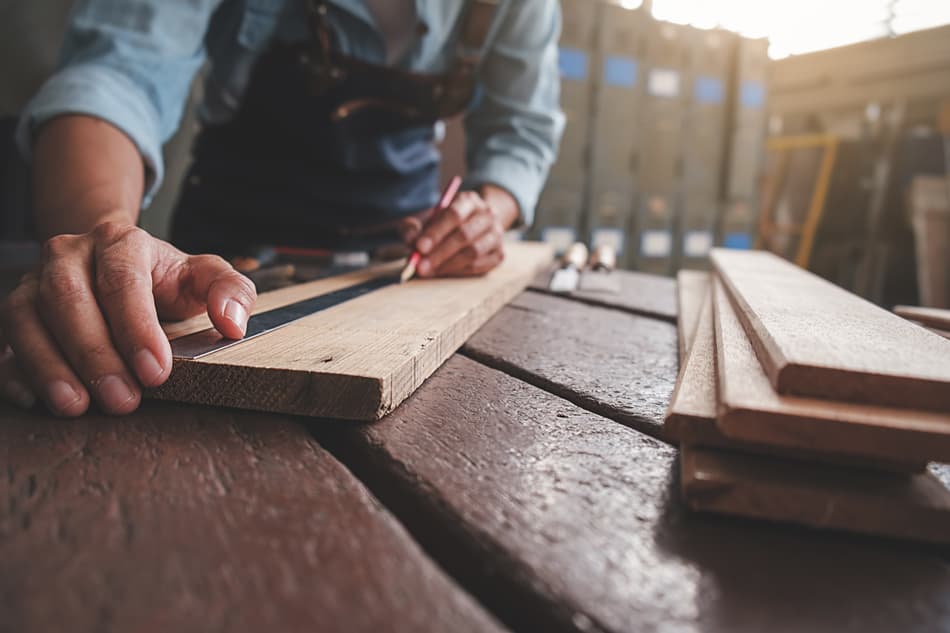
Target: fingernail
[
  {"x": 114, "y": 392},
  {"x": 62, "y": 396},
  {"x": 236, "y": 314},
  {"x": 147, "y": 367},
  {"x": 19, "y": 394},
  {"x": 424, "y": 244},
  {"x": 425, "y": 267}
]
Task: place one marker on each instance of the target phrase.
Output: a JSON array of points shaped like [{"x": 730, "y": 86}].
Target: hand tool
[
  {"x": 599, "y": 276},
  {"x": 565, "y": 278},
  {"x": 202, "y": 343},
  {"x": 451, "y": 190}
]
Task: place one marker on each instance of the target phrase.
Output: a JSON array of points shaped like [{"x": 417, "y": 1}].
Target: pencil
[{"x": 448, "y": 195}]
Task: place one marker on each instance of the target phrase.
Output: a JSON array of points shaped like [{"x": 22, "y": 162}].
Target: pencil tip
[{"x": 407, "y": 273}]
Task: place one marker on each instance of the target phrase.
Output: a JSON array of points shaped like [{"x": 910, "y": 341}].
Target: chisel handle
[
  {"x": 604, "y": 258},
  {"x": 575, "y": 256}
]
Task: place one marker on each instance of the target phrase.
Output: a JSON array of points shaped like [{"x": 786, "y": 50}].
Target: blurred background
[{"x": 815, "y": 129}]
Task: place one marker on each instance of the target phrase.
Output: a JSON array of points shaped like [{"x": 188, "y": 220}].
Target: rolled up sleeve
[
  {"x": 130, "y": 63},
  {"x": 514, "y": 130}
]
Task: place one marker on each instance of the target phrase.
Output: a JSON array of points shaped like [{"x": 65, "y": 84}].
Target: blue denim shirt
[{"x": 131, "y": 62}]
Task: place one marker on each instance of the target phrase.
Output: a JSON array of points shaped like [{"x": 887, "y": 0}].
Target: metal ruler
[{"x": 203, "y": 343}]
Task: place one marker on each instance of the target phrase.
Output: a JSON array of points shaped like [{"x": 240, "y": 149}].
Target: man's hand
[
  {"x": 87, "y": 321},
  {"x": 467, "y": 238}
]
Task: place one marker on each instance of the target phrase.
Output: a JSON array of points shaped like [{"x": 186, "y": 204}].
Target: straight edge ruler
[{"x": 194, "y": 346}]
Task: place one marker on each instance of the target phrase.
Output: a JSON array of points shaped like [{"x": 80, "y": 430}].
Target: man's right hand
[{"x": 86, "y": 322}]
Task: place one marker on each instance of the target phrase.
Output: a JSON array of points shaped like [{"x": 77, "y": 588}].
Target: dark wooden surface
[
  {"x": 513, "y": 487},
  {"x": 191, "y": 519},
  {"x": 620, "y": 365},
  {"x": 649, "y": 295}
]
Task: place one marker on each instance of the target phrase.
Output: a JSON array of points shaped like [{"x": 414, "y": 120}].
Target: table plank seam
[
  {"x": 666, "y": 318},
  {"x": 505, "y": 588},
  {"x": 637, "y": 423}
]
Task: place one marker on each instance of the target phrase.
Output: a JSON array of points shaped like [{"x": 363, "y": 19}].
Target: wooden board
[
  {"x": 640, "y": 293},
  {"x": 188, "y": 519},
  {"x": 934, "y": 318},
  {"x": 691, "y": 289},
  {"x": 616, "y": 364},
  {"x": 816, "y": 339},
  {"x": 750, "y": 410},
  {"x": 691, "y": 416},
  {"x": 560, "y": 520},
  {"x": 898, "y": 505},
  {"x": 360, "y": 359}
]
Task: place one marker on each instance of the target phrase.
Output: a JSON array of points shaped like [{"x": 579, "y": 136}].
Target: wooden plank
[
  {"x": 934, "y": 318},
  {"x": 360, "y": 359},
  {"x": 184, "y": 519},
  {"x": 616, "y": 364},
  {"x": 694, "y": 407},
  {"x": 640, "y": 293},
  {"x": 691, "y": 289},
  {"x": 816, "y": 339},
  {"x": 750, "y": 410},
  {"x": 899, "y": 505},
  {"x": 561, "y": 520}
]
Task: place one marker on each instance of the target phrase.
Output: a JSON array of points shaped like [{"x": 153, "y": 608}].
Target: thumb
[
  {"x": 209, "y": 282},
  {"x": 409, "y": 229}
]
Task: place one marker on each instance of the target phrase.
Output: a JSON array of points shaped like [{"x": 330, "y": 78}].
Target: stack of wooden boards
[
  {"x": 356, "y": 360},
  {"x": 800, "y": 402}
]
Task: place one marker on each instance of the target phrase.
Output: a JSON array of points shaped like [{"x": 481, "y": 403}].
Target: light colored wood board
[
  {"x": 816, "y": 339},
  {"x": 750, "y": 410},
  {"x": 691, "y": 416},
  {"x": 899, "y": 505},
  {"x": 284, "y": 296},
  {"x": 934, "y": 318},
  {"x": 360, "y": 359},
  {"x": 691, "y": 289}
]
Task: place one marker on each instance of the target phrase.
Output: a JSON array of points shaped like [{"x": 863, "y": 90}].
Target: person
[{"x": 318, "y": 126}]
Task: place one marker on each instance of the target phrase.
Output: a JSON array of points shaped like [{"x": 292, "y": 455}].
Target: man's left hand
[{"x": 467, "y": 238}]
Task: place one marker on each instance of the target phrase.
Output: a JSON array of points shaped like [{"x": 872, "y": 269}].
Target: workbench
[{"x": 523, "y": 487}]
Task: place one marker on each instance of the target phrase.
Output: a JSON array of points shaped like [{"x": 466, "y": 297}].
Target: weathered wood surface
[
  {"x": 900, "y": 505},
  {"x": 935, "y": 318},
  {"x": 561, "y": 520},
  {"x": 750, "y": 410},
  {"x": 360, "y": 359},
  {"x": 189, "y": 519},
  {"x": 818, "y": 340},
  {"x": 647, "y": 295},
  {"x": 692, "y": 286},
  {"x": 619, "y": 365}
]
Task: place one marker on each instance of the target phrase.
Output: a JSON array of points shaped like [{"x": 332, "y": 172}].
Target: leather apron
[{"x": 325, "y": 150}]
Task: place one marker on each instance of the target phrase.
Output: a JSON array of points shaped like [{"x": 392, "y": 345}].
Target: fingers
[
  {"x": 70, "y": 309},
  {"x": 13, "y": 386},
  {"x": 478, "y": 258},
  {"x": 470, "y": 236},
  {"x": 123, "y": 287},
  {"x": 37, "y": 354},
  {"x": 443, "y": 224},
  {"x": 409, "y": 229},
  {"x": 228, "y": 295}
]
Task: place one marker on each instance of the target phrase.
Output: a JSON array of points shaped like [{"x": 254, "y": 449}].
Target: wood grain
[
  {"x": 899, "y": 505},
  {"x": 616, "y": 364},
  {"x": 691, "y": 289},
  {"x": 187, "y": 519},
  {"x": 360, "y": 359},
  {"x": 935, "y": 318},
  {"x": 816, "y": 339},
  {"x": 694, "y": 407},
  {"x": 642, "y": 294},
  {"x": 750, "y": 410},
  {"x": 561, "y": 520}
]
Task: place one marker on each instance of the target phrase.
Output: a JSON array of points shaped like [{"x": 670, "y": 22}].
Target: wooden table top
[{"x": 523, "y": 488}]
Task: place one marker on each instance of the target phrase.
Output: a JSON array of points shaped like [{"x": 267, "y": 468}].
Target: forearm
[{"x": 85, "y": 172}]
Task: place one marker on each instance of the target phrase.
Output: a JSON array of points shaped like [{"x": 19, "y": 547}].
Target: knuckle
[
  {"x": 110, "y": 232},
  {"x": 59, "y": 246},
  {"x": 115, "y": 280},
  {"x": 62, "y": 285},
  {"x": 92, "y": 355},
  {"x": 209, "y": 261},
  {"x": 17, "y": 303}
]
